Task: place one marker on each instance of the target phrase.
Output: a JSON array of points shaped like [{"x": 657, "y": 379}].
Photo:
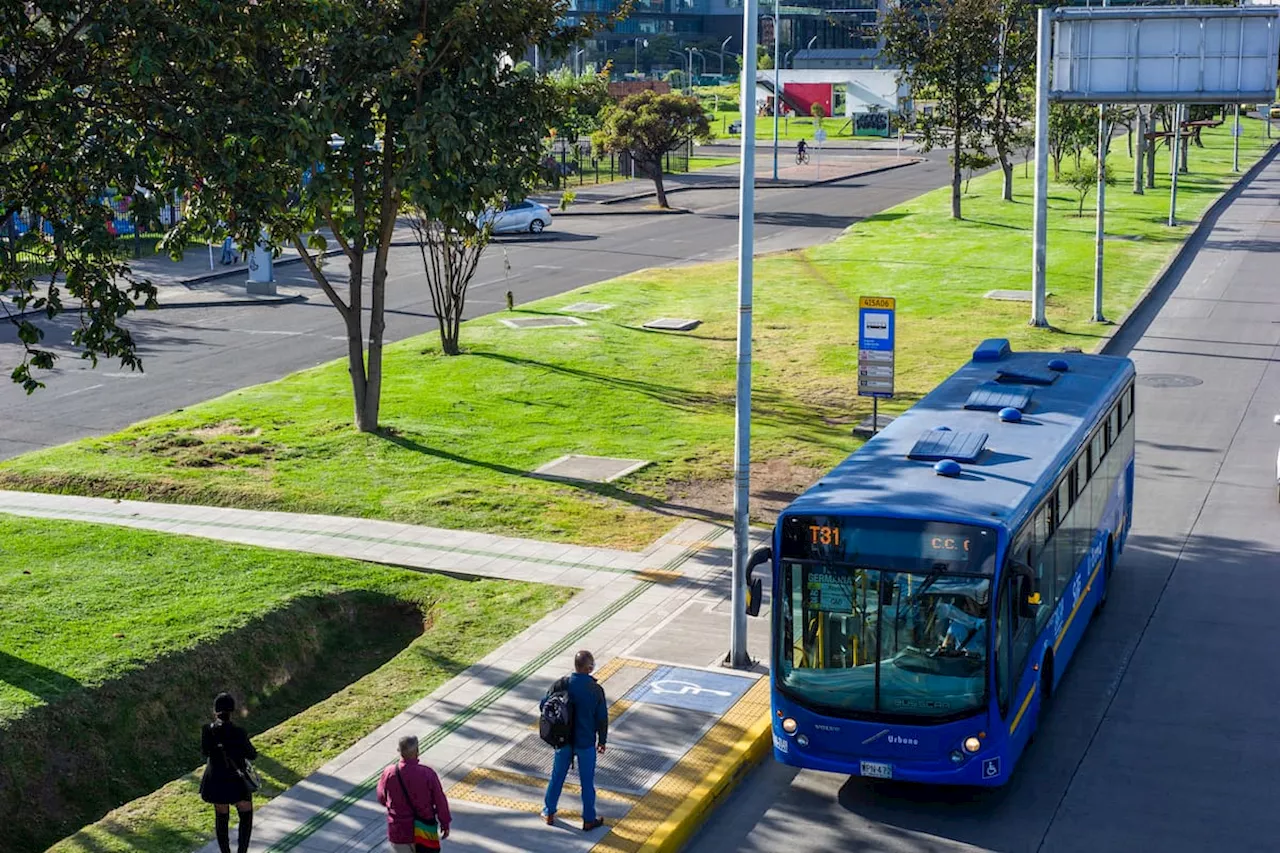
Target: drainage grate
[
  {"x": 586, "y": 307},
  {"x": 619, "y": 769},
  {"x": 593, "y": 469},
  {"x": 1168, "y": 380},
  {"x": 1009, "y": 295},
  {"x": 542, "y": 322},
  {"x": 673, "y": 324}
]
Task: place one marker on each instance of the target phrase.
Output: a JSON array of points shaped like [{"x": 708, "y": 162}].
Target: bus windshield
[{"x": 862, "y": 639}]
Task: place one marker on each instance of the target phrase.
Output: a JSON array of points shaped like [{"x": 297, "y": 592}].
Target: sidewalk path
[
  {"x": 662, "y": 614},
  {"x": 412, "y": 546}
]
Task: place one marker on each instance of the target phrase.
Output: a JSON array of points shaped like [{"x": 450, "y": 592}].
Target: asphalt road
[
  {"x": 1162, "y": 737},
  {"x": 194, "y": 354}
]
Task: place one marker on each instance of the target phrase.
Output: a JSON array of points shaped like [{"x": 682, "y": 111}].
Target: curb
[
  {"x": 1173, "y": 269},
  {"x": 769, "y": 186},
  {"x": 214, "y": 276},
  {"x": 278, "y": 299},
  {"x": 674, "y": 832}
]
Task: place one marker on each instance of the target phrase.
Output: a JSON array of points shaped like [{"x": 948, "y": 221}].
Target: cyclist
[{"x": 802, "y": 151}]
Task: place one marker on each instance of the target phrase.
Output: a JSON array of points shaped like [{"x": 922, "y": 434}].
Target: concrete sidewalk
[{"x": 682, "y": 727}]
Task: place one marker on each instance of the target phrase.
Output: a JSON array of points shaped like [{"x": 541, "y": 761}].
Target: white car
[{"x": 527, "y": 216}]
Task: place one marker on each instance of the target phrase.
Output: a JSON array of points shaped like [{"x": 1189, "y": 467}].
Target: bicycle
[{"x": 802, "y": 157}]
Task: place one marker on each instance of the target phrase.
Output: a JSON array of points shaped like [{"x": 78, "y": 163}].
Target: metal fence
[
  {"x": 120, "y": 222},
  {"x": 568, "y": 166}
]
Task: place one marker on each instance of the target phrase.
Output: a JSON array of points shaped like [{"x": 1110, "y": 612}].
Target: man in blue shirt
[{"x": 590, "y": 731}]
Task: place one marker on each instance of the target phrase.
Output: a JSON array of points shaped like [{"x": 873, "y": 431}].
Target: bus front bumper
[{"x": 985, "y": 769}]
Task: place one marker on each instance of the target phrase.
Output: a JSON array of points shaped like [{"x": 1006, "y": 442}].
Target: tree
[
  {"x": 1012, "y": 99},
  {"x": 1082, "y": 181},
  {"x": 578, "y": 102},
  {"x": 1072, "y": 127},
  {"x": 303, "y": 115},
  {"x": 818, "y": 112},
  {"x": 946, "y": 47},
  {"x": 67, "y": 136},
  {"x": 764, "y": 61},
  {"x": 493, "y": 160},
  {"x": 648, "y": 125}
]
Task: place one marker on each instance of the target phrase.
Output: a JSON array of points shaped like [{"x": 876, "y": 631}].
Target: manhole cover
[
  {"x": 586, "y": 307},
  {"x": 863, "y": 427},
  {"x": 1168, "y": 380},
  {"x": 542, "y": 322},
  {"x": 594, "y": 469},
  {"x": 1009, "y": 295},
  {"x": 673, "y": 324}
]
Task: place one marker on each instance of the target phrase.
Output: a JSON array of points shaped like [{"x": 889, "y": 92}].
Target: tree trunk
[
  {"x": 1057, "y": 165},
  {"x": 955, "y": 174},
  {"x": 1139, "y": 153},
  {"x": 1007, "y": 168},
  {"x": 656, "y": 167},
  {"x": 1151, "y": 160}
]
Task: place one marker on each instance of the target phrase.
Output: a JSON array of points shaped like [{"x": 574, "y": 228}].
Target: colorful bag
[{"x": 426, "y": 833}]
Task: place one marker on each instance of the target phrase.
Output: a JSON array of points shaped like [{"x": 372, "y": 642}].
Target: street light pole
[
  {"x": 742, "y": 406},
  {"x": 777, "y": 90},
  {"x": 724, "y": 44}
]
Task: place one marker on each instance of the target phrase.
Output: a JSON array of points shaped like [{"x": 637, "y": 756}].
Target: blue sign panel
[
  {"x": 875, "y": 346},
  {"x": 990, "y": 768},
  {"x": 691, "y": 689}
]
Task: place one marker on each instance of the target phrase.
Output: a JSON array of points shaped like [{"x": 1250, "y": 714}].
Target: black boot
[
  {"x": 246, "y": 830},
  {"x": 222, "y": 828}
]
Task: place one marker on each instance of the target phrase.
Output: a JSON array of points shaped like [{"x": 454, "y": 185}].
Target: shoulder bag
[
  {"x": 426, "y": 833},
  {"x": 247, "y": 774}
]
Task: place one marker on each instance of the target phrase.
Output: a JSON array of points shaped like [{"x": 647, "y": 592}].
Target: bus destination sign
[{"x": 875, "y": 346}]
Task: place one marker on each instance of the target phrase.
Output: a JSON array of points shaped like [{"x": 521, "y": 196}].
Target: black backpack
[{"x": 555, "y": 723}]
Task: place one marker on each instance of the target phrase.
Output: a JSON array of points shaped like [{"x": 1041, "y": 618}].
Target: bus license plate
[{"x": 876, "y": 769}]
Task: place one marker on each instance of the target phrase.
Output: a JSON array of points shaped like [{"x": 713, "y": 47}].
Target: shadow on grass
[
  {"x": 35, "y": 679},
  {"x": 96, "y": 748}
]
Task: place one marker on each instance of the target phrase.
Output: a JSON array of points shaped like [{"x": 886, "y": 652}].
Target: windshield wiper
[{"x": 934, "y": 574}]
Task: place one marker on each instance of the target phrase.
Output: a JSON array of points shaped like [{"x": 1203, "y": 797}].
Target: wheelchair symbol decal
[
  {"x": 683, "y": 688},
  {"x": 990, "y": 768}
]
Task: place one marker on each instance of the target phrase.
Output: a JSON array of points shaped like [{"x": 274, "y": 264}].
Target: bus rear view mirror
[
  {"x": 755, "y": 587},
  {"x": 1028, "y": 598}
]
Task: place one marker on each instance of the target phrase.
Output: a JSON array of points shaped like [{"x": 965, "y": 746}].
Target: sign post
[
  {"x": 876, "y": 331},
  {"x": 819, "y": 136}
]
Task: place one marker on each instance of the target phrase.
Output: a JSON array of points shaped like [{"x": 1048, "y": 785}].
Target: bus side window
[
  {"x": 1084, "y": 525},
  {"x": 1042, "y": 561},
  {"x": 1002, "y": 653},
  {"x": 1022, "y": 631},
  {"x": 1063, "y": 540}
]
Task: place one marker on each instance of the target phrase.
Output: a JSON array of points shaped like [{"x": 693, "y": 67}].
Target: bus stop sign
[{"x": 875, "y": 346}]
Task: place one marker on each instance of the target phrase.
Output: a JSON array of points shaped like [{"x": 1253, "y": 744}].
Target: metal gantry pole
[
  {"x": 1173, "y": 164},
  {"x": 1040, "y": 228},
  {"x": 777, "y": 93},
  {"x": 1103, "y": 132},
  {"x": 1235, "y": 143},
  {"x": 742, "y": 407},
  {"x": 742, "y": 412}
]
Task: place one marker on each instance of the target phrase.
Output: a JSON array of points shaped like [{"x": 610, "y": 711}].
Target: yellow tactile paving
[
  {"x": 613, "y": 666},
  {"x": 634, "y": 832},
  {"x": 658, "y": 576}
]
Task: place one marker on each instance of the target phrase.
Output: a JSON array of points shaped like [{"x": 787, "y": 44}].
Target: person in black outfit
[{"x": 226, "y": 747}]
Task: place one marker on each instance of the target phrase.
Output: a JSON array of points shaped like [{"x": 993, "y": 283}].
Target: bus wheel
[
  {"x": 1106, "y": 574},
  {"x": 1046, "y": 688}
]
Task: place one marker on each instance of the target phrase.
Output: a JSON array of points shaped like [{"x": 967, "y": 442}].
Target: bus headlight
[
  {"x": 957, "y": 756},
  {"x": 802, "y": 740},
  {"x": 789, "y": 726},
  {"x": 972, "y": 745}
]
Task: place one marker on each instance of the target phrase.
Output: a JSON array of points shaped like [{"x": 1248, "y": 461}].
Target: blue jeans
[{"x": 586, "y": 777}]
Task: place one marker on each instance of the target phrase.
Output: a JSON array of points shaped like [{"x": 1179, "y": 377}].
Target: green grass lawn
[
  {"x": 463, "y": 434},
  {"x": 115, "y": 641}
]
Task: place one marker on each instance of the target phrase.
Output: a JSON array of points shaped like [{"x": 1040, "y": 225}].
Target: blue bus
[{"x": 928, "y": 593}]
